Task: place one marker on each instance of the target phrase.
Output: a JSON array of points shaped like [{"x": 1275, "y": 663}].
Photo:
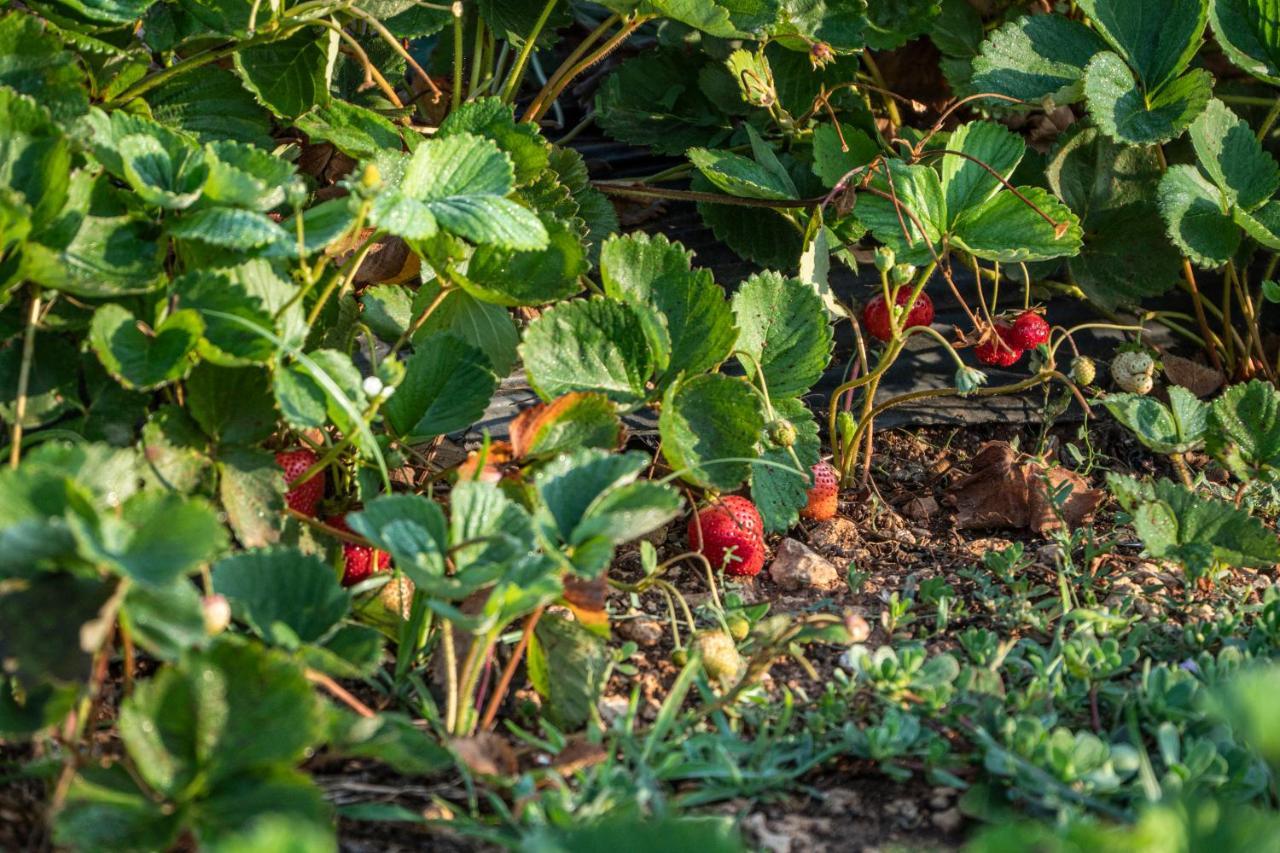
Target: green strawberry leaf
[
  {"x": 213, "y": 106},
  {"x": 251, "y": 492},
  {"x": 831, "y": 162},
  {"x": 893, "y": 23},
  {"x": 766, "y": 237},
  {"x": 784, "y": 332},
  {"x": 1193, "y": 213},
  {"x": 232, "y": 406},
  {"x": 653, "y": 272},
  {"x": 1126, "y": 255},
  {"x": 1262, "y": 224},
  {"x": 840, "y": 24},
  {"x": 229, "y": 228},
  {"x": 232, "y": 709},
  {"x": 589, "y": 345},
  {"x": 447, "y": 385},
  {"x": 289, "y": 76},
  {"x": 157, "y": 538},
  {"x": 165, "y": 171},
  {"x": 779, "y": 494},
  {"x": 413, "y": 530},
  {"x": 107, "y": 256},
  {"x": 32, "y": 62},
  {"x": 919, "y": 190},
  {"x": 1036, "y": 58},
  {"x": 653, "y": 100},
  {"x": 225, "y": 343},
  {"x": 1128, "y": 115},
  {"x": 358, "y": 132},
  {"x": 284, "y": 596},
  {"x": 510, "y": 278},
  {"x": 1246, "y": 434},
  {"x": 965, "y": 183},
  {"x": 706, "y": 420},
  {"x": 145, "y": 359},
  {"x": 572, "y": 664},
  {"x": 459, "y": 185},
  {"x": 1157, "y": 38},
  {"x": 166, "y": 621},
  {"x": 741, "y": 176},
  {"x": 1008, "y": 230},
  {"x": 1246, "y": 31},
  {"x": 1230, "y": 153},
  {"x": 1177, "y": 428},
  {"x": 1176, "y": 523},
  {"x": 491, "y": 119},
  {"x": 484, "y": 325},
  {"x": 244, "y": 176}
]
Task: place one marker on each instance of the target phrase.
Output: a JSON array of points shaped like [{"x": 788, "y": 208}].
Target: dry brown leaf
[
  {"x": 1199, "y": 379},
  {"x": 1003, "y": 490}
]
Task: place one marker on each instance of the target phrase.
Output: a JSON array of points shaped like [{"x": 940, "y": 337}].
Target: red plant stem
[{"x": 509, "y": 671}]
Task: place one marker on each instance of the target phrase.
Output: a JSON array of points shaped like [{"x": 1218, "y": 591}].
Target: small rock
[
  {"x": 942, "y": 797},
  {"x": 797, "y": 567},
  {"x": 838, "y": 537},
  {"x": 859, "y": 629},
  {"x": 948, "y": 821},
  {"x": 642, "y": 631},
  {"x": 1050, "y": 555},
  {"x": 920, "y": 509},
  {"x": 774, "y": 842},
  {"x": 613, "y": 708}
]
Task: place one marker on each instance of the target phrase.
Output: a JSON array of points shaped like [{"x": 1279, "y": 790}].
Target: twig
[
  {"x": 509, "y": 671},
  {"x": 339, "y": 692},
  {"x": 24, "y": 376}
]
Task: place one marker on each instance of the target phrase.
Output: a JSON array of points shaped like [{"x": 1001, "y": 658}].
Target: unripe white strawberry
[{"x": 1134, "y": 372}]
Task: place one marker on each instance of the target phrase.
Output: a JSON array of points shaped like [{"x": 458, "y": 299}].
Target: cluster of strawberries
[
  {"x": 1002, "y": 346},
  {"x": 358, "y": 561},
  {"x": 730, "y": 533}
]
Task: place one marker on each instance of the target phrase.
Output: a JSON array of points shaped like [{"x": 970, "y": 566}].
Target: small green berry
[{"x": 1083, "y": 370}]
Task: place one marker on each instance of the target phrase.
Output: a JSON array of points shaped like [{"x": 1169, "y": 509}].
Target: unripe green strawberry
[
  {"x": 739, "y": 625},
  {"x": 1083, "y": 370},
  {"x": 782, "y": 432},
  {"x": 680, "y": 657},
  {"x": 720, "y": 658}
]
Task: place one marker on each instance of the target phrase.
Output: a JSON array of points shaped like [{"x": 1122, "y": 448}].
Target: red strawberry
[
  {"x": 875, "y": 316},
  {"x": 306, "y": 496},
  {"x": 999, "y": 349},
  {"x": 732, "y": 536},
  {"x": 357, "y": 560},
  {"x": 822, "y": 496},
  {"x": 1029, "y": 331}
]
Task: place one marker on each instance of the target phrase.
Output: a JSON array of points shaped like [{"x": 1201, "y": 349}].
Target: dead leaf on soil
[
  {"x": 1004, "y": 490},
  {"x": 486, "y": 754},
  {"x": 1199, "y": 379}
]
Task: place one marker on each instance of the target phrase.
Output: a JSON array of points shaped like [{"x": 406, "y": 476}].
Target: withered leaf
[{"x": 1004, "y": 490}]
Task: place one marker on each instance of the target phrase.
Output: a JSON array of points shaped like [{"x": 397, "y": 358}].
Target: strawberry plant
[{"x": 267, "y": 271}]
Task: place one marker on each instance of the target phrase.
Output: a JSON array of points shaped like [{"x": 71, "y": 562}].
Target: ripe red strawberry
[
  {"x": 875, "y": 316},
  {"x": 822, "y": 496},
  {"x": 732, "y": 536},
  {"x": 999, "y": 349},
  {"x": 1029, "y": 331},
  {"x": 304, "y": 497},
  {"x": 357, "y": 560}
]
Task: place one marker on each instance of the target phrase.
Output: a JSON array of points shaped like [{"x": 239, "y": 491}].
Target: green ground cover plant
[{"x": 263, "y": 263}]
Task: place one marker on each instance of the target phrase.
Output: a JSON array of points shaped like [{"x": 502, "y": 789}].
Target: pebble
[
  {"x": 798, "y": 567},
  {"x": 838, "y": 537},
  {"x": 642, "y": 631},
  {"x": 949, "y": 820}
]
